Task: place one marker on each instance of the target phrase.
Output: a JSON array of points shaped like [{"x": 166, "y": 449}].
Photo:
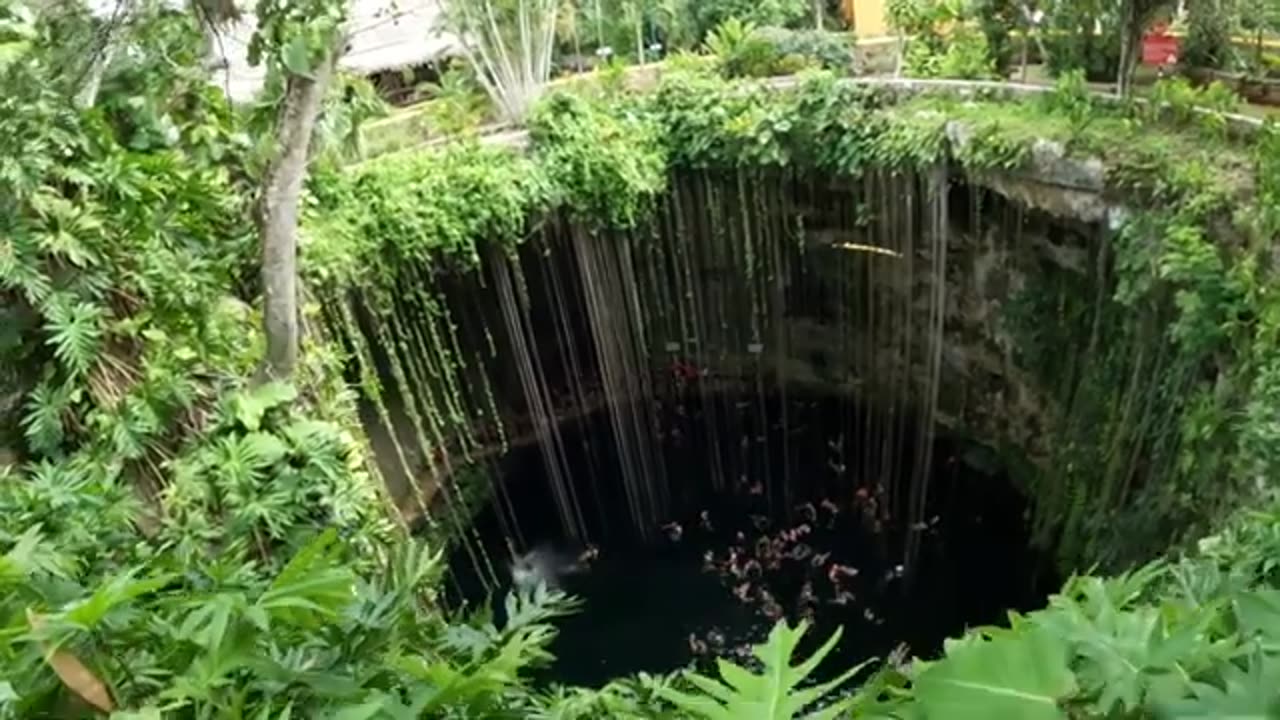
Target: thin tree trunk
[
  {"x": 577, "y": 43},
  {"x": 1130, "y": 48},
  {"x": 817, "y": 15},
  {"x": 1026, "y": 47},
  {"x": 87, "y": 95},
  {"x": 639, "y": 33},
  {"x": 278, "y": 218}
]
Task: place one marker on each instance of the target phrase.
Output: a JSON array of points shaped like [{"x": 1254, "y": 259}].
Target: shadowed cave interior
[{"x": 856, "y": 381}]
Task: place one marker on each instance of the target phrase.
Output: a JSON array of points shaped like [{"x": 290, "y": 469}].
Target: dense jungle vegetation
[{"x": 191, "y": 524}]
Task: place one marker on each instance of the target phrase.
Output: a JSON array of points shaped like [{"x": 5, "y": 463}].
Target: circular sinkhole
[{"x": 779, "y": 508}]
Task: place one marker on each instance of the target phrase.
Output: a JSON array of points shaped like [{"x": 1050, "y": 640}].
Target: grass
[
  {"x": 1135, "y": 151},
  {"x": 1144, "y": 79}
]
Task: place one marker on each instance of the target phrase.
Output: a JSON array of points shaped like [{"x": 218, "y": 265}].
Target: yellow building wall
[{"x": 867, "y": 17}]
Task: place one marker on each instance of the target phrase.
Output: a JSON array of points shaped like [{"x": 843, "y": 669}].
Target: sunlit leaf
[
  {"x": 295, "y": 56},
  {"x": 1015, "y": 677},
  {"x": 251, "y": 405}
]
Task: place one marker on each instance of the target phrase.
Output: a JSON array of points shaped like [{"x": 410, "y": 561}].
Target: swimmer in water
[
  {"x": 674, "y": 531},
  {"x": 806, "y": 593},
  {"x": 542, "y": 566},
  {"x": 696, "y": 646},
  {"x": 838, "y": 571},
  {"x": 842, "y": 598}
]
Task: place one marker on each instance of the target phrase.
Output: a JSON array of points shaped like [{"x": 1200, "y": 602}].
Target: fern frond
[
  {"x": 20, "y": 268},
  {"x": 31, "y": 555},
  {"x": 75, "y": 332},
  {"x": 43, "y": 424},
  {"x": 235, "y": 469}
]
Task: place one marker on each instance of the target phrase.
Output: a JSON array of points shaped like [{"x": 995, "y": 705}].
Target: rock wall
[{"x": 896, "y": 289}]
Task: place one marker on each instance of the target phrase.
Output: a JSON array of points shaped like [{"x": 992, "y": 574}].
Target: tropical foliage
[
  {"x": 182, "y": 540},
  {"x": 945, "y": 39},
  {"x": 743, "y": 50}
]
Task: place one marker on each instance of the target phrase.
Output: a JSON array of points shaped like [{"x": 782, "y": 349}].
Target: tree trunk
[
  {"x": 117, "y": 26},
  {"x": 1130, "y": 48},
  {"x": 278, "y": 218},
  {"x": 639, "y": 33},
  {"x": 88, "y": 93}
]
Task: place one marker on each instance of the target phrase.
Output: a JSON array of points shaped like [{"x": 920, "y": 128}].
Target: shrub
[
  {"x": 1177, "y": 101},
  {"x": 997, "y": 18},
  {"x": 961, "y": 54},
  {"x": 710, "y": 14},
  {"x": 1270, "y": 66},
  {"x": 1083, "y": 35},
  {"x": 827, "y": 50},
  {"x": 743, "y": 50},
  {"x": 1209, "y": 29}
]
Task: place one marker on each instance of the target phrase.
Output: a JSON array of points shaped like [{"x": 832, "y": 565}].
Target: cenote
[
  {"x": 873, "y": 402},
  {"x": 706, "y": 576}
]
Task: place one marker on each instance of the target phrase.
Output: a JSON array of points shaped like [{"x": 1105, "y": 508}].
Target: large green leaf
[
  {"x": 1252, "y": 693},
  {"x": 296, "y": 56},
  {"x": 1121, "y": 652},
  {"x": 774, "y": 694},
  {"x": 313, "y": 585},
  {"x": 250, "y": 406},
  {"x": 114, "y": 593},
  {"x": 1022, "y": 676},
  {"x": 1258, "y": 614}
]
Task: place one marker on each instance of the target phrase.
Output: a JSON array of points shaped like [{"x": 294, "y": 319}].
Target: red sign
[{"x": 1159, "y": 47}]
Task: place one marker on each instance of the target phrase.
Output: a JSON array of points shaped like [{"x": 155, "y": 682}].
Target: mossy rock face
[{"x": 17, "y": 320}]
